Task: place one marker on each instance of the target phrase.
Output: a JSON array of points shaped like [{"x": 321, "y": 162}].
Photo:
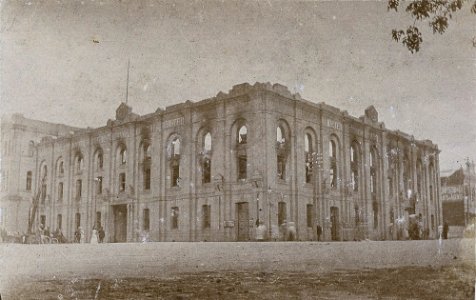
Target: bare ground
[
  {"x": 450, "y": 282},
  {"x": 300, "y": 270}
]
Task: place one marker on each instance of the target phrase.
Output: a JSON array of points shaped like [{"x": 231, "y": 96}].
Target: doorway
[
  {"x": 120, "y": 223},
  {"x": 334, "y": 223},
  {"x": 243, "y": 221}
]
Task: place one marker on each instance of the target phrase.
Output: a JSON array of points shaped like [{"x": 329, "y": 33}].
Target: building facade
[
  {"x": 19, "y": 140},
  {"x": 214, "y": 169},
  {"x": 458, "y": 195}
]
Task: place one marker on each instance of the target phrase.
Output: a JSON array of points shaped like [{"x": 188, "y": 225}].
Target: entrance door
[
  {"x": 120, "y": 223},
  {"x": 243, "y": 221},
  {"x": 334, "y": 223}
]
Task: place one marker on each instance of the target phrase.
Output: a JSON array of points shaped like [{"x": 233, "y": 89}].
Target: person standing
[
  {"x": 319, "y": 232},
  {"x": 94, "y": 236},
  {"x": 81, "y": 235},
  {"x": 77, "y": 236},
  {"x": 41, "y": 233},
  {"x": 445, "y": 230},
  {"x": 101, "y": 234}
]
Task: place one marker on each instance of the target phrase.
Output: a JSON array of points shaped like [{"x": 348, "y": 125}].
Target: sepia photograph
[{"x": 256, "y": 149}]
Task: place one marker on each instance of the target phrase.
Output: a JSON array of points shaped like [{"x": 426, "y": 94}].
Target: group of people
[
  {"x": 46, "y": 236},
  {"x": 286, "y": 231},
  {"x": 97, "y": 235}
]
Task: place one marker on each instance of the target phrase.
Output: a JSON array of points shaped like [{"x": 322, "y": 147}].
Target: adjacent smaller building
[{"x": 458, "y": 194}]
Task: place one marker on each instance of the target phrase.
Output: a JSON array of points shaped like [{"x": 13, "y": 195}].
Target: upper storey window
[
  {"x": 206, "y": 163},
  {"x": 242, "y": 135},
  {"x": 308, "y": 156},
  {"x": 146, "y": 166},
  {"x": 406, "y": 174},
  {"x": 242, "y": 158},
  {"x": 28, "y": 180},
  {"x": 174, "y": 147},
  {"x": 147, "y": 152},
  {"x": 79, "y": 162},
  {"x": 333, "y": 163},
  {"x": 123, "y": 155},
  {"x": 373, "y": 170},
  {"x": 281, "y": 149},
  {"x": 354, "y": 165},
  {"x": 99, "y": 160},
  {"x": 60, "y": 168}
]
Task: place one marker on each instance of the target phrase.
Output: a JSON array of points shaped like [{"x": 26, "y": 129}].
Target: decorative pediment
[
  {"x": 123, "y": 111},
  {"x": 371, "y": 113}
]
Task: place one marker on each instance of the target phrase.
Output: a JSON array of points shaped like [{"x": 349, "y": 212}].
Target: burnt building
[
  {"x": 214, "y": 169},
  {"x": 458, "y": 195}
]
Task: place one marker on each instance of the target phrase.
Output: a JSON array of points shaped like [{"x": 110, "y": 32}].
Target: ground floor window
[
  {"x": 98, "y": 219},
  {"x": 206, "y": 215},
  {"x": 175, "y": 217},
  {"x": 77, "y": 220},
  {"x": 375, "y": 210},
  {"x": 60, "y": 221},
  {"x": 281, "y": 212},
  {"x": 146, "y": 216},
  {"x": 309, "y": 213}
]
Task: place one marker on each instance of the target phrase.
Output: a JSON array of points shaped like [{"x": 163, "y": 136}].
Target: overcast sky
[{"x": 66, "y": 61}]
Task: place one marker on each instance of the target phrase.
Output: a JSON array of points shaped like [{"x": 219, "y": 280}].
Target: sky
[{"x": 66, "y": 61}]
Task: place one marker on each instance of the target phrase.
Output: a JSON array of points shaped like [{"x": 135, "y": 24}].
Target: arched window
[
  {"x": 147, "y": 151},
  {"x": 242, "y": 158},
  {"x": 333, "y": 163},
  {"x": 123, "y": 155},
  {"x": 99, "y": 160},
  {"x": 79, "y": 162},
  {"x": 431, "y": 169},
  {"x": 354, "y": 165},
  {"x": 44, "y": 174},
  {"x": 281, "y": 151},
  {"x": 146, "y": 166},
  {"x": 279, "y": 135},
  {"x": 28, "y": 180},
  {"x": 406, "y": 174},
  {"x": 419, "y": 177},
  {"x": 175, "y": 161},
  {"x": 308, "y": 156},
  {"x": 242, "y": 135},
  {"x": 373, "y": 184},
  {"x": 61, "y": 168},
  {"x": 60, "y": 191},
  {"x": 206, "y": 158},
  {"x": 79, "y": 189},
  {"x": 207, "y": 142},
  {"x": 373, "y": 171}
]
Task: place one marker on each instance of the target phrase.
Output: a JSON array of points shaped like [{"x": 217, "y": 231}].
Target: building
[
  {"x": 19, "y": 139},
  {"x": 458, "y": 195},
  {"x": 214, "y": 169}
]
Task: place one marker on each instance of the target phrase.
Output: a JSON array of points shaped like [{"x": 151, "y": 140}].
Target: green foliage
[{"x": 437, "y": 12}]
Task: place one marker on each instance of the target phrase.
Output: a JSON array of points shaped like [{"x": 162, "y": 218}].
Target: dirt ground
[{"x": 449, "y": 282}]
